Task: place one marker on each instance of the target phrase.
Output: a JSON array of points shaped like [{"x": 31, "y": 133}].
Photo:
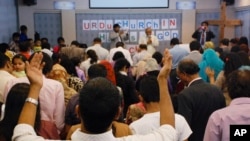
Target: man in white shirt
[
  {"x": 125, "y": 52},
  {"x": 99, "y": 99},
  {"x": 149, "y": 93},
  {"x": 5, "y": 73},
  {"x": 101, "y": 52},
  {"x": 142, "y": 54},
  {"x": 150, "y": 40}
]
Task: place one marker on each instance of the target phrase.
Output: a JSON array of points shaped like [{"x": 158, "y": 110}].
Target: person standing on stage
[
  {"x": 150, "y": 40},
  {"x": 117, "y": 35},
  {"x": 203, "y": 34}
]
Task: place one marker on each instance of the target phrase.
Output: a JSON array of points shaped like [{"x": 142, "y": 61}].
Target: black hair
[
  {"x": 194, "y": 45},
  {"x": 225, "y": 42},
  {"x": 29, "y": 39},
  {"x": 143, "y": 46},
  {"x": 45, "y": 39},
  {"x": 24, "y": 46},
  {"x": 23, "y": 28},
  {"x": 59, "y": 39},
  {"x": 19, "y": 56},
  {"x": 97, "y": 70},
  {"x": 82, "y": 45},
  {"x": 204, "y": 22},
  {"x": 149, "y": 89},
  {"x": 118, "y": 55},
  {"x": 68, "y": 65},
  {"x": 55, "y": 58},
  {"x": 119, "y": 44},
  {"x": 244, "y": 57},
  {"x": 15, "y": 35},
  {"x": 238, "y": 84},
  {"x": 188, "y": 66},
  {"x": 222, "y": 54},
  {"x": 92, "y": 55},
  {"x": 116, "y": 25},
  {"x": 120, "y": 64},
  {"x": 3, "y": 60},
  {"x": 4, "y": 47},
  {"x": 46, "y": 46},
  {"x": 13, "y": 107},
  {"x": 99, "y": 102},
  {"x": 232, "y": 62},
  {"x": 76, "y": 61},
  {"x": 234, "y": 41},
  {"x": 97, "y": 40},
  {"x": 76, "y": 43},
  {"x": 235, "y": 49},
  {"x": 158, "y": 57},
  {"x": 48, "y": 62},
  {"x": 243, "y": 40},
  {"x": 36, "y": 40},
  {"x": 174, "y": 41},
  {"x": 219, "y": 50}
]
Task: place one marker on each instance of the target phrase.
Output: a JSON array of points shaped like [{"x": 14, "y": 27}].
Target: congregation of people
[{"x": 80, "y": 92}]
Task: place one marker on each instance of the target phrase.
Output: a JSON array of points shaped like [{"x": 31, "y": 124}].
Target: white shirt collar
[
  {"x": 107, "y": 136},
  {"x": 124, "y": 73},
  {"x": 199, "y": 78},
  {"x": 195, "y": 51},
  {"x": 97, "y": 45}
]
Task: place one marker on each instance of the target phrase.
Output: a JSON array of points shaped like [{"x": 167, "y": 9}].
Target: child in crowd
[
  {"x": 25, "y": 48},
  {"x": 18, "y": 62},
  {"x": 37, "y": 45}
]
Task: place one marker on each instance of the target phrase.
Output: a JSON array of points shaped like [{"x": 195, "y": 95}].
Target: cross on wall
[{"x": 223, "y": 21}]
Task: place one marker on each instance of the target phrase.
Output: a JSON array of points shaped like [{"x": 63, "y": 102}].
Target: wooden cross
[{"x": 223, "y": 22}]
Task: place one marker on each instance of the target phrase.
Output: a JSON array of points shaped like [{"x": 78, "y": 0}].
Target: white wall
[
  {"x": 26, "y": 14},
  {"x": 242, "y": 3}
]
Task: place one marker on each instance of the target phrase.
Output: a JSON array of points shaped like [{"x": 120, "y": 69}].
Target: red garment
[
  {"x": 110, "y": 71},
  {"x": 26, "y": 54},
  {"x": 56, "y": 49}
]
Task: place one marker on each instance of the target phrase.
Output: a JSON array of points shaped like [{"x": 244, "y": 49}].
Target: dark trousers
[{"x": 174, "y": 80}]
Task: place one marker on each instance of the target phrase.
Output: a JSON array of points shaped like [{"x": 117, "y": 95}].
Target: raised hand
[
  {"x": 34, "y": 70},
  {"x": 167, "y": 65},
  {"x": 121, "y": 32},
  {"x": 209, "y": 72}
]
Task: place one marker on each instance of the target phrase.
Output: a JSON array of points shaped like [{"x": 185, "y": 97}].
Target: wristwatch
[{"x": 32, "y": 100}]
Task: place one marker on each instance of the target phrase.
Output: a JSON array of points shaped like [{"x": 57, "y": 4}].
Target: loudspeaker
[
  {"x": 29, "y": 2},
  {"x": 229, "y": 2}
]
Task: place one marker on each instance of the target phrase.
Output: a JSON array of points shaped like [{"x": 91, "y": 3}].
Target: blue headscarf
[{"x": 212, "y": 60}]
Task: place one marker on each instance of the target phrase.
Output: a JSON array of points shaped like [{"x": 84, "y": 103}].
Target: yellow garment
[
  {"x": 60, "y": 74},
  {"x": 208, "y": 45},
  {"x": 19, "y": 74},
  {"x": 37, "y": 48},
  {"x": 10, "y": 54}
]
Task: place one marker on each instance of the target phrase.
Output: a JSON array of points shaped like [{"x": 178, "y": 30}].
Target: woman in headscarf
[{"x": 210, "y": 60}]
